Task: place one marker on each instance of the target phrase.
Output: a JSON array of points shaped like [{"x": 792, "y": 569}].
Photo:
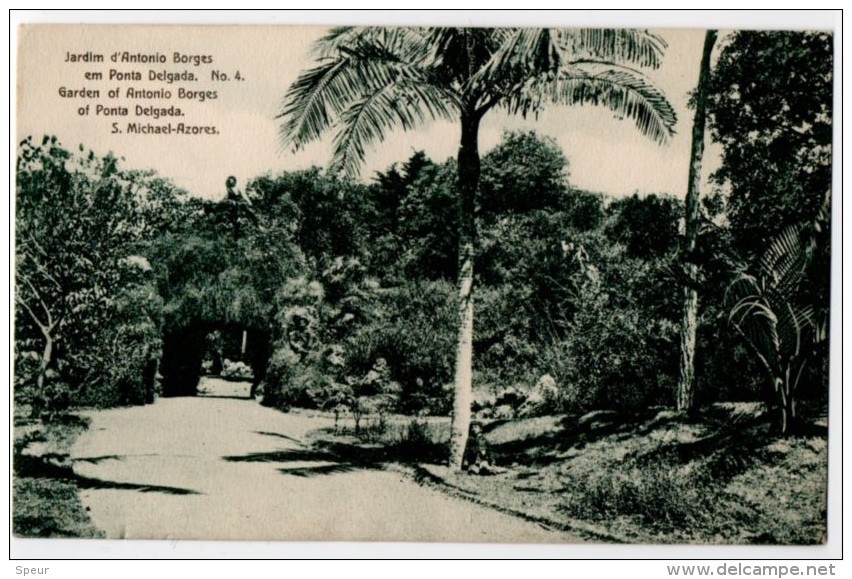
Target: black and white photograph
[{"x": 424, "y": 283}]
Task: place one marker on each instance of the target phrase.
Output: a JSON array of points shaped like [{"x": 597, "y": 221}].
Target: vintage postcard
[{"x": 428, "y": 284}]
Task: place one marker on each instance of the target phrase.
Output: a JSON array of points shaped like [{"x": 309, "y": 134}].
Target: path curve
[{"x": 212, "y": 468}]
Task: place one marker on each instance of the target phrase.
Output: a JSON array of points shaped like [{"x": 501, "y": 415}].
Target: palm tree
[{"x": 368, "y": 81}]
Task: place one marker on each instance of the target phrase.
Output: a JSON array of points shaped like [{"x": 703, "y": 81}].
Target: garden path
[{"x": 222, "y": 467}]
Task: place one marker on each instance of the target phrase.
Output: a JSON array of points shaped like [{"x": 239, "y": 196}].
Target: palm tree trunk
[
  {"x": 689, "y": 322},
  {"x": 469, "y": 168}
]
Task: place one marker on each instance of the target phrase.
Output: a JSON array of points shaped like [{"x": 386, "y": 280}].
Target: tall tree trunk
[
  {"x": 469, "y": 168},
  {"x": 689, "y": 322}
]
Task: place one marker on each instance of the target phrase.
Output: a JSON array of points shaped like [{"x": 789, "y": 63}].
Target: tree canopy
[{"x": 770, "y": 108}]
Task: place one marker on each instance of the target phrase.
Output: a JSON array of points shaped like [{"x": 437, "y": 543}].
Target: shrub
[
  {"x": 657, "y": 494},
  {"x": 414, "y": 330},
  {"x": 663, "y": 496},
  {"x": 419, "y": 443},
  {"x": 617, "y": 350},
  {"x": 236, "y": 370},
  {"x": 280, "y": 376},
  {"x": 117, "y": 365},
  {"x": 86, "y": 305}
]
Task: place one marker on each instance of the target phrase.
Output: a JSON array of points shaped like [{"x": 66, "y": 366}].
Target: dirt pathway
[{"x": 228, "y": 468}]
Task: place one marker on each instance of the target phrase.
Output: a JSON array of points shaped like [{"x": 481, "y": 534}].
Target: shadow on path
[
  {"x": 311, "y": 471},
  {"x": 291, "y": 455},
  {"x": 48, "y": 466},
  {"x": 279, "y": 435},
  {"x": 335, "y": 457},
  {"x": 99, "y": 459}
]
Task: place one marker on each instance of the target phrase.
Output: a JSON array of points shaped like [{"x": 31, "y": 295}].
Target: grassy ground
[
  {"x": 722, "y": 477},
  {"x": 45, "y": 502}
]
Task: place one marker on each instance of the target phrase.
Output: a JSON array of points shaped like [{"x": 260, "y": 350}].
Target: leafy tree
[
  {"x": 389, "y": 226},
  {"x": 770, "y": 107},
  {"x": 428, "y": 225},
  {"x": 220, "y": 275},
  {"x": 724, "y": 368},
  {"x": 585, "y": 209},
  {"x": 80, "y": 222},
  {"x": 647, "y": 226},
  {"x": 161, "y": 207},
  {"x": 531, "y": 267},
  {"x": 616, "y": 324},
  {"x": 523, "y": 173},
  {"x": 324, "y": 213},
  {"x": 120, "y": 358},
  {"x": 369, "y": 80},
  {"x": 392, "y": 188}
]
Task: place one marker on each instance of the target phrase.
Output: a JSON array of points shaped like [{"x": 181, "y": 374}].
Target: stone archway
[{"x": 184, "y": 350}]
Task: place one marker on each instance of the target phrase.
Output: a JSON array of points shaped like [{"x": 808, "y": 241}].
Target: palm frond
[
  {"x": 523, "y": 52},
  {"x": 410, "y": 44},
  {"x": 761, "y": 344},
  {"x": 313, "y": 101},
  {"x": 319, "y": 96},
  {"x": 627, "y": 93},
  {"x": 795, "y": 328},
  {"x": 404, "y": 104},
  {"x": 785, "y": 260},
  {"x": 339, "y": 36},
  {"x": 753, "y": 317},
  {"x": 821, "y": 326},
  {"x": 618, "y": 46},
  {"x": 765, "y": 311}
]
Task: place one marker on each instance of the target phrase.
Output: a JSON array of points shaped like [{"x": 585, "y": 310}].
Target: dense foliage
[
  {"x": 88, "y": 318},
  {"x": 571, "y": 286},
  {"x": 339, "y": 295},
  {"x": 771, "y": 110}
]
